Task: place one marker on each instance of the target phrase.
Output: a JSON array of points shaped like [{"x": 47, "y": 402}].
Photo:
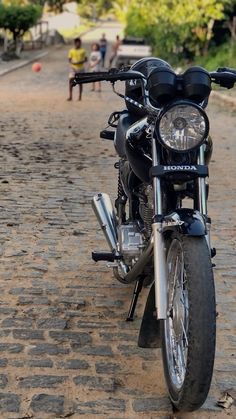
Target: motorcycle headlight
[{"x": 183, "y": 127}]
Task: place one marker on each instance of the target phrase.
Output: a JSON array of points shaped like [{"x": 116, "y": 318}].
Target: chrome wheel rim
[{"x": 176, "y": 325}]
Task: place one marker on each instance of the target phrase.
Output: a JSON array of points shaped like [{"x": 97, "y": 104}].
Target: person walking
[
  {"x": 77, "y": 58},
  {"x": 115, "y": 48},
  {"x": 95, "y": 60},
  {"x": 103, "y": 48}
]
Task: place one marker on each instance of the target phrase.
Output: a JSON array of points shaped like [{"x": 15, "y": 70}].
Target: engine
[{"x": 130, "y": 241}]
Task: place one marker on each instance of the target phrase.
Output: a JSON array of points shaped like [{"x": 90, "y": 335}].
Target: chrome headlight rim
[{"x": 181, "y": 103}]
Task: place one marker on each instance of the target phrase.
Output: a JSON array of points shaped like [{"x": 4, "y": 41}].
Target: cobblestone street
[{"x": 65, "y": 348}]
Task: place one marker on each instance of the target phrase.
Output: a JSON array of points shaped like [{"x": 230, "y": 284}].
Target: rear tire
[{"x": 188, "y": 334}]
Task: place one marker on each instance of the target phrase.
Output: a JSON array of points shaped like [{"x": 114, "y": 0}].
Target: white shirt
[{"x": 95, "y": 56}]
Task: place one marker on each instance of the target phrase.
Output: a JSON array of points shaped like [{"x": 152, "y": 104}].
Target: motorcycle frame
[{"x": 159, "y": 225}]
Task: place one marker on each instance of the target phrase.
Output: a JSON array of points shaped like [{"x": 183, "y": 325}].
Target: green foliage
[
  {"x": 2, "y": 10},
  {"x": 38, "y": 2},
  {"x": 56, "y": 6},
  {"x": 121, "y": 9},
  {"x": 222, "y": 56},
  {"x": 176, "y": 28},
  {"x": 19, "y": 19}
]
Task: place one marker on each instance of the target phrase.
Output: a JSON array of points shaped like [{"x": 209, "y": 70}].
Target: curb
[
  {"x": 223, "y": 99},
  {"x": 23, "y": 63}
]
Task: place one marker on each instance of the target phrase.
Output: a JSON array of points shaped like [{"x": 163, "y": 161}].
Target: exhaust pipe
[{"x": 105, "y": 214}]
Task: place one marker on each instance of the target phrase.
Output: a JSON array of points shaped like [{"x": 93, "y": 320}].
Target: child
[
  {"x": 115, "y": 48},
  {"x": 103, "y": 48},
  {"x": 77, "y": 58},
  {"x": 95, "y": 60}
]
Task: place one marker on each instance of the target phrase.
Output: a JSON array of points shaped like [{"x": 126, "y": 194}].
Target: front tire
[{"x": 188, "y": 334}]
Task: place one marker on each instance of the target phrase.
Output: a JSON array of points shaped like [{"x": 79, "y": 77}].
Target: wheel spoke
[
  {"x": 176, "y": 332},
  {"x": 184, "y": 344},
  {"x": 184, "y": 332},
  {"x": 183, "y": 302},
  {"x": 174, "y": 282},
  {"x": 182, "y": 362}
]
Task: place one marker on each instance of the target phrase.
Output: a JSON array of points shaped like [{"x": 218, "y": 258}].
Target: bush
[
  {"x": 222, "y": 56},
  {"x": 19, "y": 19},
  {"x": 177, "y": 29}
]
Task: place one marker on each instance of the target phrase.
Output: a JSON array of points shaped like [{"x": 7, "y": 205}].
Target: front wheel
[{"x": 188, "y": 346}]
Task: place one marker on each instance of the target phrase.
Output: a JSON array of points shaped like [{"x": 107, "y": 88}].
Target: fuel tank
[{"x": 139, "y": 162}]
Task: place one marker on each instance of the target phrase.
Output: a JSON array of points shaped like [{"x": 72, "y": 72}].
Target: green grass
[
  {"x": 222, "y": 56},
  {"x": 73, "y": 33}
]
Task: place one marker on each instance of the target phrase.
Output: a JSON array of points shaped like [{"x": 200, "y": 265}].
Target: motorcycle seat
[{"x": 125, "y": 121}]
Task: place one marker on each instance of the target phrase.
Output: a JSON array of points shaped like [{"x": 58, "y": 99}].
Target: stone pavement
[
  {"x": 27, "y": 57},
  {"x": 227, "y": 98},
  {"x": 65, "y": 348}
]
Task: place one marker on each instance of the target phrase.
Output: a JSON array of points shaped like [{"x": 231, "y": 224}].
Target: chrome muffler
[{"x": 105, "y": 214}]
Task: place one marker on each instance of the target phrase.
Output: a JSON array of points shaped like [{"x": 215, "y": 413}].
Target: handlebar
[
  {"x": 112, "y": 75},
  {"x": 225, "y": 77}
]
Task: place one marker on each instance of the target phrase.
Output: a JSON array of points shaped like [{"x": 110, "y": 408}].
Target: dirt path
[{"x": 65, "y": 347}]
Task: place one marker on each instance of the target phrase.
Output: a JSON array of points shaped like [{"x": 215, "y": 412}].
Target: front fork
[
  {"x": 160, "y": 271},
  {"x": 160, "y": 267},
  {"x": 202, "y": 197}
]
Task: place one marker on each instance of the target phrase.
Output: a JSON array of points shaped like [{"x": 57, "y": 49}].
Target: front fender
[
  {"x": 186, "y": 221},
  {"x": 149, "y": 333}
]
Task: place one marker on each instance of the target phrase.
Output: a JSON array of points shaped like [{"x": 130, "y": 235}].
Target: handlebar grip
[
  {"x": 224, "y": 77},
  {"x": 82, "y": 78},
  {"x": 112, "y": 76}
]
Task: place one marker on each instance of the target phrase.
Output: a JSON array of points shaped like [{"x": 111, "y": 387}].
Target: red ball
[{"x": 36, "y": 67}]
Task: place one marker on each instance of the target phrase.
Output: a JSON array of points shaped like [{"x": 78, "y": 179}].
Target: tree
[
  {"x": 93, "y": 8},
  {"x": 56, "y": 6},
  {"x": 18, "y": 19},
  {"x": 37, "y": 2},
  {"x": 174, "y": 26},
  {"x": 230, "y": 17},
  {"x": 122, "y": 8}
]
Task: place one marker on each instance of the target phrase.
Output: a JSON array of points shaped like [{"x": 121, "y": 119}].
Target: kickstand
[{"x": 137, "y": 289}]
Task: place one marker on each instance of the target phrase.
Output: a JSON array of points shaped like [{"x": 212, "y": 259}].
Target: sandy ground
[{"x": 62, "y": 316}]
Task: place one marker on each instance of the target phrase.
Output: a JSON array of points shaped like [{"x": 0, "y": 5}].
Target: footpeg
[
  {"x": 107, "y": 134},
  {"x": 107, "y": 256}
]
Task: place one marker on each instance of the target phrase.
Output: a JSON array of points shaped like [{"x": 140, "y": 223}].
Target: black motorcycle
[{"x": 158, "y": 231}]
